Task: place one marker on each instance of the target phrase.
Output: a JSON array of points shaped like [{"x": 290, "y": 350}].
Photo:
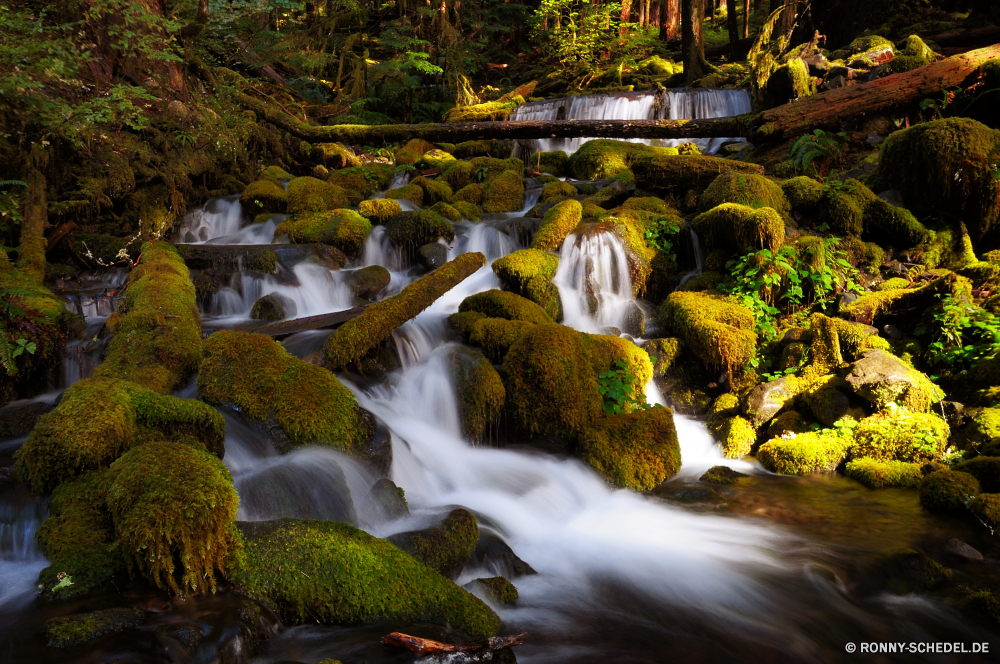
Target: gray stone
[
  {"x": 767, "y": 400},
  {"x": 634, "y": 323},
  {"x": 878, "y": 376},
  {"x": 369, "y": 281},
  {"x": 893, "y": 197},
  {"x": 432, "y": 255},
  {"x": 959, "y": 548},
  {"x": 892, "y": 332},
  {"x": 388, "y": 499},
  {"x": 273, "y": 306}
]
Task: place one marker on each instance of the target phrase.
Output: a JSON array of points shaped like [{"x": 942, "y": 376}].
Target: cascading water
[
  {"x": 219, "y": 217},
  {"x": 679, "y": 104},
  {"x": 20, "y": 516},
  {"x": 311, "y": 288},
  {"x": 698, "y": 259},
  {"x": 593, "y": 281}
]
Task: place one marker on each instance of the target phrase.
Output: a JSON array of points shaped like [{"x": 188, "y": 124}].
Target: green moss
[
  {"x": 458, "y": 174},
  {"x": 352, "y": 340},
  {"x": 558, "y": 190},
  {"x": 362, "y": 181},
  {"x": 437, "y": 158},
  {"x": 480, "y": 392},
  {"x": 799, "y": 454},
  {"x": 70, "y": 440},
  {"x": 470, "y": 149},
  {"x": 556, "y": 162},
  {"x": 173, "y": 503},
  {"x": 380, "y": 210},
  {"x": 308, "y": 571},
  {"x": 157, "y": 340},
  {"x": 333, "y": 155},
  {"x": 257, "y": 376},
  {"x": 494, "y": 335},
  {"x": 947, "y": 490},
  {"x": 447, "y": 211},
  {"x": 557, "y": 223},
  {"x": 446, "y": 547},
  {"x": 871, "y": 305},
  {"x": 264, "y": 196},
  {"x": 604, "y": 158},
  {"x": 434, "y": 190},
  {"x": 984, "y": 427},
  {"x": 638, "y": 450},
  {"x": 740, "y": 228},
  {"x": 877, "y": 474},
  {"x": 720, "y": 333},
  {"x": 463, "y": 322},
  {"x": 368, "y": 282},
  {"x": 412, "y": 229},
  {"x": 313, "y": 195},
  {"x": 986, "y": 506},
  {"x": 275, "y": 173},
  {"x": 755, "y": 191},
  {"x": 502, "y": 304},
  {"x": 468, "y": 210},
  {"x": 899, "y": 435},
  {"x": 803, "y": 193},
  {"x": 648, "y": 204},
  {"x": 497, "y": 589},
  {"x": 737, "y": 436},
  {"x": 503, "y": 192},
  {"x": 986, "y": 469},
  {"x": 470, "y": 193},
  {"x": 721, "y": 475},
  {"x": 83, "y": 627},
  {"x": 490, "y": 110},
  {"x": 344, "y": 229},
  {"x": 957, "y": 182},
  {"x": 412, "y": 152},
  {"x": 862, "y": 45},
  {"x": 683, "y": 172},
  {"x": 529, "y": 273}
]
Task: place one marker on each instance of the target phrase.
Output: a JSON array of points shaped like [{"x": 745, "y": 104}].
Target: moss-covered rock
[
  {"x": 740, "y": 228},
  {"x": 333, "y": 155},
  {"x": 789, "y": 82},
  {"x": 721, "y": 475},
  {"x": 683, "y": 172},
  {"x": 263, "y": 196},
  {"x": 604, "y": 158},
  {"x": 503, "y": 192},
  {"x": 447, "y": 211},
  {"x": 330, "y": 572},
  {"x": 344, "y": 229},
  {"x": 412, "y": 229},
  {"x": 897, "y": 434},
  {"x": 557, "y": 223},
  {"x": 529, "y": 273},
  {"x": 947, "y": 490},
  {"x": 437, "y": 158},
  {"x": 754, "y": 191},
  {"x": 362, "y": 181},
  {"x": 71, "y": 440},
  {"x": 369, "y": 281},
  {"x": 494, "y": 335},
  {"x": 379, "y": 210},
  {"x": 435, "y": 191},
  {"x": 799, "y": 454},
  {"x": 411, "y": 153},
  {"x": 986, "y": 506},
  {"x": 555, "y": 162},
  {"x": 469, "y": 149},
  {"x": 720, "y": 333},
  {"x": 272, "y": 307},
  {"x": 637, "y": 450},
  {"x": 468, "y": 210},
  {"x": 986, "y": 469},
  {"x": 312, "y": 195},
  {"x": 470, "y": 193},
  {"x": 881, "y": 378},
  {"x": 480, "y": 391},
  {"x": 174, "y": 509},
  {"x": 554, "y": 191},
  {"x": 737, "y": 436},
  {"x": 502, "y": 304},
  {"x": 803, "y": 193},
  {"x": 877, "y": 474},
  {"x": 411, "y": 193},
  {"x": 496, "y": 588},
  {"x": 275, "y": 174},
  {"x": 352, "y": 340},
  {"x": 82, "y": 627},
  {"x": 444, "y": 548}
]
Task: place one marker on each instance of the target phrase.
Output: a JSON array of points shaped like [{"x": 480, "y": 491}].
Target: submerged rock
[
  {"x": 83, "y": 627},
  {"x": 432, "y": 255},
  {"x": 369, "y": 282},
  {"x": 272, "y": 307},
  {"x": 722, "y": 475},
  {"x": 480, "y": 392}
]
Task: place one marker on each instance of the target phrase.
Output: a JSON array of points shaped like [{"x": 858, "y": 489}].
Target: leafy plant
[
  {"x": 660, "y": 235},
  {"x": 618, "y": 388},
  {"x": 963, "y": 335},
  {"x": 939, "y": 107},
  {"x": 10, "y": 311},
  {"x": 821, "y": 147},
  {"x": 480, "y": 174}
]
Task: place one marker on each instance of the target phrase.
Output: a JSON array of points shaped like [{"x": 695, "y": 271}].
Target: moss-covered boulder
[
  {"x": 369, "y": 281},
  {"x": 947, "y": 490},
  {"x": 272, "y": 307},
  {"x": 986, "y": 506},
  {"x": 877, "y": 474},
  {"x": 494, "y": 335},
  {"x": 344, "y": 229},
  {"x": 468, "y": 210},
  {"x": 897, "y": 434},
  {"x": 637, "y": 450},
  {"x": 174, "y": 509},
  {"x": 411, "y": 153},
  {"x": 256, "y": 375},
  {"x": 412, "y": 229},
  {"x": 82, "y": 627},
  {"x": 352, "y": 340},
  {"x": 986, "y": 469},
  {"x": 799, "y": 454},
  {"x": 379, "y": 210},
  {"x": 604, "y": 158},
  {"x": 469, "y": 149},
  {"x": 362, "y": 181},
  {"x": 503, "y": 304},
  {"x": 444, "y": 548},
  {"x": 740, "y": 228},
  {"x": 803, "y": 193},
  {"x": 497, "y": 589},
  {"x": 959, "y": 180},
  {"x": 529, "y": 273},
  {"x": 435, "y": 191},
  {"x": 789, "y": 82},
  {"x": 720, "y": 333},
  {"x": 722, "y": 475},
  {"x": 554, "y": 191},
  {"x": 882, "y": 378},
  {"x": 275, "y": 174},
  {"x": 308, "y": 571},
  {"x": 683, "y": 172},
  {"x": 333, "y": 155},
  {"x": 447, "y": 211},
  {"x": 754, "y": 191},
  {"x": 71, "y": 440},
  {"x": 555, "y": 162},
  {"x": 470, "y": 193},
  {"x": 312, "y": 195},
  {"x": 479, "y": 389},
  {"x": 263, "y": 196},
  {"x": 557, "y": 223},
  {"x": 411, "y": 193},
  {"x": 503, "y": 192}
]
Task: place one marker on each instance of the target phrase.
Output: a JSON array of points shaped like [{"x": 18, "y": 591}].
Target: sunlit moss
[
  {"x": 445, "y": 547},
  {"x": 344, "y": 229},
  {"x": 799, "y": 454},
  {"x": 312, "y": 195},
  {"x": 720, "y": 333},
  {"x": 557, "y": 223},
  {"x": 503, "y": 304},
  {"x": 638, "y": 450}
]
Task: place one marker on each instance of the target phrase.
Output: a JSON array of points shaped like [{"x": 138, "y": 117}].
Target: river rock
[
  {"x": 766, "y": 400},
  {"x": 432, "y": 255},
  {"x": 19, "y": 420},
  {"x": 495, "y": 555},
  {"x": 445, "y": 547},
  {"x": 877, "y": 373},
  {"x": 828, "y": 404},
  {"x": 388, "y": 499},
  {"x": 369, "y": 281},
  {"x": 634, "y": 322},
  {"x": 273, "y": 306},
  {"x": 959, "y": 548}
]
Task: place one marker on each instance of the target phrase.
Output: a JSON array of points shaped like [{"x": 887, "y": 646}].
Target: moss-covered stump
[
  {"x": 799, "y": 454},
  {"x": 344, "y": 229},
  {"x": 72, "y": 439},
  {"x": 638, "y": 450},
  {"x": 503, "y": 192},
  {"x": 720, "y": 333},
  {"x": 355, "y": 338},
  {"x": 308, "y": 571},
  {"x": 947, "y": 490},
  {"x": 82, "y": 627},
  {"x": 174, "y": 509},
  {"x": 557, "y": 223},
  {"x": 683, "y": 172},
  {"x": 263, "y": 196},
  {"x": 369, "y": 281},
  {"x": 157, "y": 342},
  {"x": 444, "y": 548},
  {"x": 877, "y": 474},
  {"x": 479, "y": 389},
  {"x": 986, "y": 469},
  {"x": 897, "y": 434},
  {"x": 739, "y": 228},
  {"x": 957, "y": 182},
  {"x": 754, "y": 191},
  {"x": 494, "y": 335},
  {"x": 413, "y": 229},
  {"x": 503, "y": 304},
  {"x": 78, "y": 538},
  {"x": 379, "y": 210},
  {"x": 309, "y": 194},
  {"x": 257, "y": 376},
  {"x": 529, "y": 273}
]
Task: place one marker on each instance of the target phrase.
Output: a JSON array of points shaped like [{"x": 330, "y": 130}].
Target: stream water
[{"x": 621, "y": 577}]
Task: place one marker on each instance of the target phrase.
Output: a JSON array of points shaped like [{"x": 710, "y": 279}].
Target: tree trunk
[
  {"x": 692, "y": 44},
  {"x": 36, "y": 213},
  {"x": 626, "y": 15},
  {"x": 734, "y": 29},
  {"x": 746, "y": 18},
  {"x": 670, "y": 19},
  {"x": 784, "y": 24}
]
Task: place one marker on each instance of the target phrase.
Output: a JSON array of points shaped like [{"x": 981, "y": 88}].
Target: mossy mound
[
  {"x": 257, "y": 376},
  {"x": 157, "y": 342},
  {"x": 558, "y": 190},
  {"x": 370, "y": 281},
  {"x": 739, "y": 228},
  {"x": 411, "y": 193},
  {"x": 379, "y": 210},
  {"x": 719, "y": 332},
  {"x": 437, "y": 158},
  {"x": 344, "y": 229},
  {"x": 470, "y": 193},
  {"x": 435, "y": 191},
  {"x": 71, "y": 440},
  {"x": 489, "y": 110},
  {"x": 362, "y": 181},
  {"x": 458, "y": 174},
  {"x": 308, "y": 571},
  {"x": 754, "y": 191},
  {"x": 648, "y": 204},
  {"x": 877, "y": 474},
  {"x": 412, "y": 229},
  {"x": 173, "y": 503},
  {"x": 411, "y": 153},
  {"x": 274, "y": 174},
  {"x": 263, "y": 196},
  {"x": 986, "y": 469},
  {"x": 502, "y": 304},
  {"x": 352, "y": 340},
  {"x": 737, "y": 436},
  {"x": 333, "y": 155},
  {"x": 445, "y": 547},
  {"x": 803, "y": 193},
  {"x": 529, "y": 273},
  {"x": 957, "y": 182},
  {"x": 986, "y": 506},
  {"x": 469, "y": 149},
  {"x": 557, "y": 223},
  {"x": 897, "y": 434},
  {"x": 447, "y": 211},
  {"x": 604, "y": 158},
  {"x": 312, "y": 195},
  {"x": 683, "y": 172},
  {"x": 947, "y": 490},
  {"x": 480, "y": 392},
  {"x": 80, "y": 628},
  {"x": 503, "y": 192},
  {"x": 799, "y": 454},
  {"x": 468, "y": 210},
  {"x": 496, "y": 588},
  {"x": 494, "y": 335},
  {"x": 722, "y": 475},
  {"x": 555, "y": 162},
  {"x": 637, "y": 450}
]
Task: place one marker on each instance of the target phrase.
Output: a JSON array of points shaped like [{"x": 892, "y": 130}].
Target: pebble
[{"x": 962, "y": 550}]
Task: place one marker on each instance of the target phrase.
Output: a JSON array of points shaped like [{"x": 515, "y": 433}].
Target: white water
[
  {"x": 217, "y": 218},
  {"x": 699, "y": 259},
  {"x": 20, "y": 558},
  {"x": 313, "y": 289},
  {"x": 680, "y": 104},
  {"x": 593, "y": 264}
]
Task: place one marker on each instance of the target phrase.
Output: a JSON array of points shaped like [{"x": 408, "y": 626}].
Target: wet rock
[
  {"x": 177, "y": 110},
  {"x": 634, "y": 322},
  {"x": 19, "y": 420},
  {"x": 877, "y": 375},
  {"x": 845, "y": 300},
  {"x": 722, "y": 475},
  {"x": 432, "y": 255},
  {"x": 792, "y": 355},
  {"x": 179, "y": 640},
  {"x": 495, "y": 555},
  {"x": 273, "y": 306},
  {"x": 329, "y": 257},
  {"x": 957, "y": 547},
  {"x": 873, "y": 139},
  {"x": 838, "y": 81},
  {"x": 236, "y": 634},
  {"x": 893, "y": 197},
  {"x": 954, "y": 413},
  {"x": 83, "y": 627},
  {"x": 445, "y": 547},
  {"x": 369, "y": 282},
  {"x": 796, "y": 334},
  {"x": 496, "y": 588},
  {"x": 766, "y": 400},
  {"x": 699, "y": 495},
  {"x": 389, "y": 499},
  {"x": 610, "y": 331},
  {"x": 892, "y": 332}
]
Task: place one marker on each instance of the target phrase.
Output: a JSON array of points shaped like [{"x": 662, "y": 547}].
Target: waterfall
[
  {"x": 312, "y": 288},
  {"x": 698, "y": 259},
  {"x": 20, "y": 558},
  {"x": 678, "y": 104},
  {"x": 593, "y": 281},
  {"x": 217, "y": 218}
]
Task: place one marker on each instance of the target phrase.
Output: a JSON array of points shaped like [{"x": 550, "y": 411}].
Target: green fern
[{"x": 821, "y": 147}]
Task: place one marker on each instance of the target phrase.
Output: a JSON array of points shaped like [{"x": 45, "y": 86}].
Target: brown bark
[
  {"x": 746, "y": 18},
  {"x": 692, "y": 42},
  {"x": 36, "y": 212},
  {"x": 424, "y": 647},
  {"x": 626, "y": 15},
  {"x": 670, "y": 19},
  {"x": 733, "y": 26}
]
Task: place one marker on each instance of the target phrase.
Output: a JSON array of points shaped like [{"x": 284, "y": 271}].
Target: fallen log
[
  {"x": 284, "y": 328},
  {"x": 424, "y": 647}
]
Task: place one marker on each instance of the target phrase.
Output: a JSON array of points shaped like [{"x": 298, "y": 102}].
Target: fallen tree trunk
[
  {"x": 424, "y": 647},
  {"x": 820, "y": 110}
]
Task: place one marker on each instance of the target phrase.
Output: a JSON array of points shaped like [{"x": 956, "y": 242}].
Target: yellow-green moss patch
[
  {"x": 739, "y": 228},
  {"x": 637, "y": 450},
  {"x": 557, "y": 223},
  {"x": 379, "y": 210},
  {"x": 344, "y": 229},
  {"x": 877, "y": 474}
]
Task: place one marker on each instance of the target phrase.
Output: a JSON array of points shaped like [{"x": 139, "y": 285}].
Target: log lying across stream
[
  {"x": 820, "y": 110},
  {"x": 424, "y": 647}
]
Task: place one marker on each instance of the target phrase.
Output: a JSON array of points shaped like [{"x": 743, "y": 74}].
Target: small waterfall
[
  {"x": 379, "y": 250},
  {"x": 83, "y": 355},
  {"x": 593, "y": 281},
  {"x": 483, "y": 237},
  {"x": 217, "y": 218},
  {"x": 699, "y": 259},
  {"x": 312, "y": 288},
  {"x": 20, "y": 558},
  {"x": 262, "y": 233},
  {"x": 679, "y": 104}
]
